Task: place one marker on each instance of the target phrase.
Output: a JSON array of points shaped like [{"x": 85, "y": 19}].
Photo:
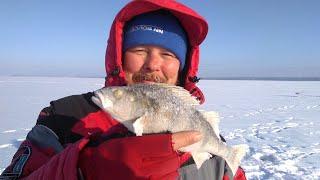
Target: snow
[{"x": 279, "y": 120}]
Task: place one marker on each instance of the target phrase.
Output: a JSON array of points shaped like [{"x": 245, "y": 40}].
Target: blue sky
[{"x": 247, "y": 38}]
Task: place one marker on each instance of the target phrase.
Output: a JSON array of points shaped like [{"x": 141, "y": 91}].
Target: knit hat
[{"x": 158, "y": 28}]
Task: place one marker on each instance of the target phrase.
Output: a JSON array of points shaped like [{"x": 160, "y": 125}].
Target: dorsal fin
[{"x": 180, "y": 92}]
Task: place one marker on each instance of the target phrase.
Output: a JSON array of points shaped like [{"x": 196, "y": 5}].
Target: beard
[{"x": 140, "y": 77}]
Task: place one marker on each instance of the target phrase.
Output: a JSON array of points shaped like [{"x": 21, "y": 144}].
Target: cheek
[
  {"x": 132, "y": 63},
  {"x": 171, "y": 69}
]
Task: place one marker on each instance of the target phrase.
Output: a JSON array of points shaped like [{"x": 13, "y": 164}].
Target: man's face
[{"x": 148, "y": 64}]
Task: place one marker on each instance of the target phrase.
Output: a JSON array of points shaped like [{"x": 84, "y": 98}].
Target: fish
[{"x": 160, "y": 108}]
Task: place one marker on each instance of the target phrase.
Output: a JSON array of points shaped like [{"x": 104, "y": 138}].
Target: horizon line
[{"x": 203, "y": 78}]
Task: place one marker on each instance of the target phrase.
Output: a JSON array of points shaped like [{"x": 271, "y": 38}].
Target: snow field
[{"x": 280, "y": 121}]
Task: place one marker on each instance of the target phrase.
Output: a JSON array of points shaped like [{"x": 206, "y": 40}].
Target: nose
[{"x": 153, "y": 62}]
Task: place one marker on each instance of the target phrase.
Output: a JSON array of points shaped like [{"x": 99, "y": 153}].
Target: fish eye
[{"x": 117, "y": 93}]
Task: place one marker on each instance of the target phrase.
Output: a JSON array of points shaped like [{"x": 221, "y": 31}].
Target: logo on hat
[{"x": 146, "y": 28}]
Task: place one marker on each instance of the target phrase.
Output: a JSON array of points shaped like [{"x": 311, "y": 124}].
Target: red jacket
[{"x": 75, "y": 134}]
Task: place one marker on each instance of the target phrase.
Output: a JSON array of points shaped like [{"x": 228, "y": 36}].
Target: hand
[
  {"x": 185, "y": 138},
  {"x": 142, "y": 157}
]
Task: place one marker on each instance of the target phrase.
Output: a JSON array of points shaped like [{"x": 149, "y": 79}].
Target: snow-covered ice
[{"x": 279, "y": 120}]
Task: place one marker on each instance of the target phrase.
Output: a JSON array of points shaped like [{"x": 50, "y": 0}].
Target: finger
[{"x": 185, "y": 138}]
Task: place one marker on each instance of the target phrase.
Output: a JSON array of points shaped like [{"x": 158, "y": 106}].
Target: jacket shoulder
[
  {"x": 76, "y": 106},
  {"x": 64, "y": 113}
]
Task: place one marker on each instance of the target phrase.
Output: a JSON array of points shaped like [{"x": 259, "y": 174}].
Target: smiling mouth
[{"x": 147, "y": 78}]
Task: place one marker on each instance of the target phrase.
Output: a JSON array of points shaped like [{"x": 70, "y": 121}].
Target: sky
[{"x": 247, "y": 38}]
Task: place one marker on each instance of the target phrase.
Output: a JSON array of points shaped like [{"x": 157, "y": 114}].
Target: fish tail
[{"x": 234, "y": 156}]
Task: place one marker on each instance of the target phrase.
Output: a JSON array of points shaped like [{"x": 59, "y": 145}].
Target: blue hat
[{"x": 158, "y": 28}]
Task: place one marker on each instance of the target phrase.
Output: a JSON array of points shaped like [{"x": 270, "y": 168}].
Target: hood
[{"x": 195, "y": 26}]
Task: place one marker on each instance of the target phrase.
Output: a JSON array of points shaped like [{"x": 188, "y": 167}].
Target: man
[{"x": 150, "y": 41}]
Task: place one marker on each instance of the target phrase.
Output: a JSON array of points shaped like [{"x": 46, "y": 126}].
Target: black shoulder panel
[
  {"x": 76, "y": 106},
  {"x": 64, "y": 113}
]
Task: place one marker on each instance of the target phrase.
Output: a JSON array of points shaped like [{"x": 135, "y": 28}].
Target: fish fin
[
  {"x": 192, "y": 147},
  {"x": 235, "y": 155},
  {"x": 127, "y": 124},
  {"x": 200, "y": 157},
  {"x": 213, "y": 118},
  {"x": 182, "y": 93},
  {"x": 138, "y": 126}
]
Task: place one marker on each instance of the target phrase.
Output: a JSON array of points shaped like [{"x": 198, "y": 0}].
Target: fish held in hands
[{"x": 158, "y": 108}]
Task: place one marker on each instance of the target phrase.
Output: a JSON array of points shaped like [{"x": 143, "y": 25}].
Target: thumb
[{"x": 185, "y": 138}]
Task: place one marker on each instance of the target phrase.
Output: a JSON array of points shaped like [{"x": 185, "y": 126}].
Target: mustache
[{"x": 139, "y": 77}]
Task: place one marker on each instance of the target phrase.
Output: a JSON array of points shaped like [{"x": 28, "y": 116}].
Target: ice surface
[{"x": 279, "y": 120}]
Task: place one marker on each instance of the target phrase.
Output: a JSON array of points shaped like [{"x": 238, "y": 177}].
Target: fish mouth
[
  {"x": 101, "y": 101},
  {"x": 97, "y": 101}
]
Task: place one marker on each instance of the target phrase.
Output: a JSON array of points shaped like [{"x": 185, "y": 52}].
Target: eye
[
  {"x": 138, "y": 50},
  {"x": 169, "y": 55},
  {"x": 117, "y": 94}
]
